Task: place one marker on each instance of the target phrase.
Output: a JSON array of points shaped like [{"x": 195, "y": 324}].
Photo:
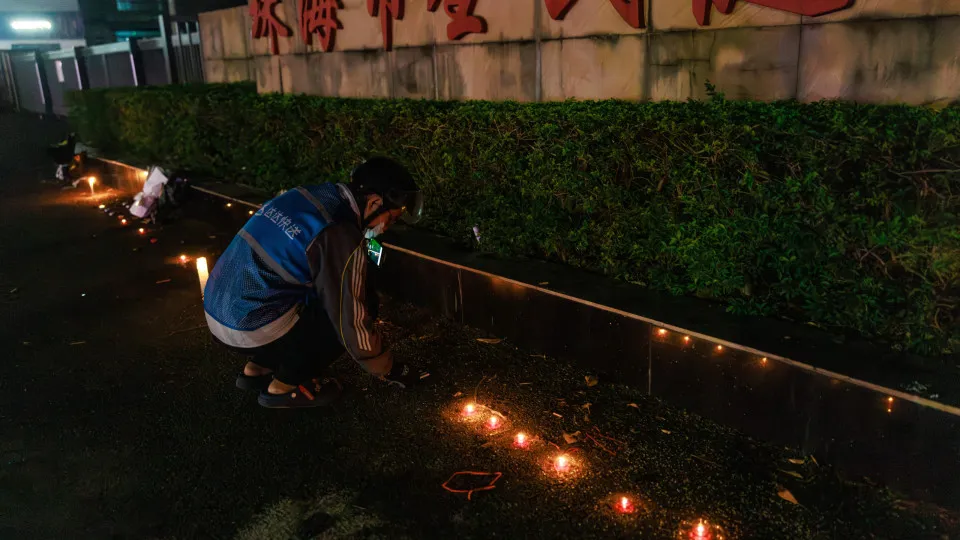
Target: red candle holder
[
  {"x": 521, "y": 440},
  {"x": 700, "y": 529}
]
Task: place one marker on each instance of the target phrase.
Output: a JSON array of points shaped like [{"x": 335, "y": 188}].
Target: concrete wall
[{"x": 876, "y": 51}]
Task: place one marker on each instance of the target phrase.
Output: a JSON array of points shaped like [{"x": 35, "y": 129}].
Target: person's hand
[{"x": 402, "y": 375}]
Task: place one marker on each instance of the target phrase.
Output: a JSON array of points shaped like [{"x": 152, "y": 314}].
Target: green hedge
[{"x": 837, "y": 214}]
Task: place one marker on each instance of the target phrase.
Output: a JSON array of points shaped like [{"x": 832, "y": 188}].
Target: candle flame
[
  {"x": 701, "y": 530},
  {"x": 202, "y": 273},
  {"x": 250, "y": 212},
  {"x": 229, "y": 205},
  {"x": 624, "y": 503},
  {"x": 719, "y": 347},
  {"x": 92, "y": 180},
  {"x": 562, "y": 463},
  {"x": 662, "y": 331},
  {"x": 468, "y": 410},
  {"x": 123, "y": 221},
  {"x": 183, "y": 258},
  {"x": 141, "y": 230},
  {"x": 890, "y": 399},
  {"x": 686, "y": 339},
  {"x": 494, "y": 421},
  {"x": 102, "y": 206},
  {"x": 521, "y": 438}
]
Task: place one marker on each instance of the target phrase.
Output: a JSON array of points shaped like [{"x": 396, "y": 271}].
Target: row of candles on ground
[
  {"x": 203, "y": 272},
  {"x": 564, "y": 464}
]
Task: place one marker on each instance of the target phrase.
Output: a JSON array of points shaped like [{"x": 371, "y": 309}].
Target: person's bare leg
[
  {"x": 277, "y": 387},
  {"x": 255, "y": 370}
]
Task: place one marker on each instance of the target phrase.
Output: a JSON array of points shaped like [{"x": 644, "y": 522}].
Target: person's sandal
[
  {"x": 254, "y": 382},
  {"x": 316, "y": 393}
]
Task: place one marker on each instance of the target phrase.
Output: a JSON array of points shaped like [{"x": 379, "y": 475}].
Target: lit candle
[
  {"x": 141, "y": 230},
  {"x": 686, "y": 339},
  {"x": 890, "y": 404},
  {"x": 701, "y": 531},
  {"x": 719, "y": 348},
  {"x": 92, "y": 180},
  {"x": 625, "y": 506},
  {"x": 102, "y": 206},
  {"x": 494, "y": 422},
  {"x": 183, "y": 258},
  {"x": 202, "y": 273},
  {"x": 229, "y": 205},
  {"x": 123, "y": 221},
  {"x": 469, "y": 409},
  {"x": 521, "y": 440},
  {"x": 250, "y": 212},
  {"x": 562, "y": 463},
  {"x": 763, "y": 360},
  {"x": 662, "y": 332}
]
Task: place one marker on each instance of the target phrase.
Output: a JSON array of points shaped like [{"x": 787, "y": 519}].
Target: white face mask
[{"x": 375, "y": 232}]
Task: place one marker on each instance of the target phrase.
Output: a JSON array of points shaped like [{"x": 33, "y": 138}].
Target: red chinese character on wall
[
  {"x": 558, "y": 9},
  {"x": 630, "y": 10},
  {"x": 267, "y": 24},
  {"x": 320, "y": 17},
  {"x": 388, "y": 11},
  {"x": 464, "y": 21},
  {"x": 810, "y": 8}
]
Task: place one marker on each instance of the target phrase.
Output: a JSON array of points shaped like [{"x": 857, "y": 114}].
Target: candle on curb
[
  {"x": 92, "y": 180},
  {"x": 202, "y": 273},
  {"x": 686, "y": 339},
  {"x": 625, "y": 506},
  {"x": 563, "y": 463},
  {"x": 662, "y": 332},
  {"x": 123, "y": 221},
  {"x": 494, "y": 422},
  {"x": 469, "y": 409},
  {"x": 183, "y": 258},
  {"x": 763, "y": 360},
  {"x": 229, "y": 205},
  {"x": 141, "y": 230},
  {"x": 719, "y": 348}
]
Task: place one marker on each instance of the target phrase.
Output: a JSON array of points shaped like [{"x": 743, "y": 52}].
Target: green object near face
[{"x": 374, "y": 251}]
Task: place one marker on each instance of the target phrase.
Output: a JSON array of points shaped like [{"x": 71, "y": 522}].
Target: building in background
[
  {"x": 108, "y": 21},
  {"x": 61, "y": 24},
  {"x": 40, "y": 25}
]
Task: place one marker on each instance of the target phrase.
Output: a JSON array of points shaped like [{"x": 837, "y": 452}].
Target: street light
[{"x": 25, "y": 25}]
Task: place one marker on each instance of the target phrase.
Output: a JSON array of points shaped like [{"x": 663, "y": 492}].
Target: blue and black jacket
[{"x": 307, "y": 245}]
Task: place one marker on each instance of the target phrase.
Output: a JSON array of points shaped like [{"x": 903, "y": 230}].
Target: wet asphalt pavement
[{"x": 119, "y": 418}]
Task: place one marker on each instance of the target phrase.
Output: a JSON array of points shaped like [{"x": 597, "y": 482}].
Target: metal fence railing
[{"x": 39, "y": 82}]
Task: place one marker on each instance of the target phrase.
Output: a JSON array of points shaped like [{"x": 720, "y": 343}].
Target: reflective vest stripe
[
  {"x": 313, "y": 200},
  {"x": 262, "y": 253}
]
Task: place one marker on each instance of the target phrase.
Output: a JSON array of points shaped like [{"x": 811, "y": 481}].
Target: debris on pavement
[
  {"x": 493, "y": 477},
  {"x": 785, "y": 494}
]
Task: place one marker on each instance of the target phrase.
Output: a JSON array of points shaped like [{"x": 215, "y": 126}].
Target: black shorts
[{"x": 302, "y": 353}]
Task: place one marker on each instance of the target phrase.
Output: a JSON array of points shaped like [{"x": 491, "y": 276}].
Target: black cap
[{"x": 393, "y": 182}]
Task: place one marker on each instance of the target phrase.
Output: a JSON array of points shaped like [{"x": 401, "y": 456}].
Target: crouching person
[{"x": 292, "y": 288}]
